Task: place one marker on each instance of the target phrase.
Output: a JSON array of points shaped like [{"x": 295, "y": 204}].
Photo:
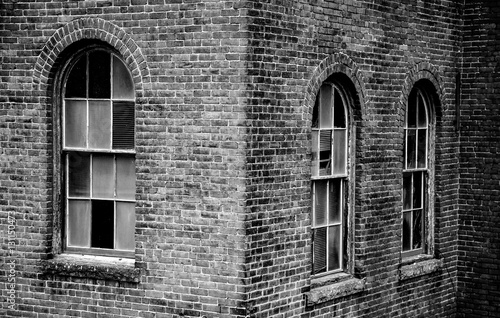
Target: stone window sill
[
  {"x": 332, "y": 287},
  {"x": 419, "y": 266},
  {"x": 94, "y": 267}
]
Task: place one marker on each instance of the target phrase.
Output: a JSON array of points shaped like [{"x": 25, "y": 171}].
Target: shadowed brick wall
[
  {"x": 479, "y": 237},
  {"x": 384, "y": 47}
]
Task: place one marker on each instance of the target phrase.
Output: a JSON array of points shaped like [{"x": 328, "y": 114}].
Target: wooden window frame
[
  {"x": 418, "y": 171},
  {"x": 343, "y": 180},
  {"x": 61, "y": 173}
]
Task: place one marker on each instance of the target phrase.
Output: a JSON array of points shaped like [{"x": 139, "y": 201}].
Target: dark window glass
[
  {"x": 339, "y": 111},
  {"x": 77, "y": 79},
  {"x": 79, "y": 174},
  {"x": 103, "y": 224},
  {"x": 99, "y": 74}
]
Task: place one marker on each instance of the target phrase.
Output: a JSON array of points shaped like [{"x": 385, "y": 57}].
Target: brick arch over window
[
  {"x": 425, "y": 74},
  {"x": 91, "y": 29},
  {"x": 343, "y": 64},
  {"x": 336, "y": 89}
]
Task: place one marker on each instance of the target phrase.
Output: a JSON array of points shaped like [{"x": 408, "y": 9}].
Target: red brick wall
[{"x": 479, "y": 263}]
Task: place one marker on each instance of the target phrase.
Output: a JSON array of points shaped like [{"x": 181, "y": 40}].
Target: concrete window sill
[
  {"x": 333, "y": 287},
  {"x": 94, "y": 267},
  {"x": 419, "y": 266}
]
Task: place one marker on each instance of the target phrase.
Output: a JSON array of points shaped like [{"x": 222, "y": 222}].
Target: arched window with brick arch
[
  {"x": 330, "y": 177},
  {"x": 98, "y": 153},
  {"x": 417, "y": 172}
]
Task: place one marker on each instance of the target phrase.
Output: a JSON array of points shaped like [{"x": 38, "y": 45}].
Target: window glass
[
  {"x": 123, "y": 87},
  {"x": 329, "y": 174},
  {"x": 415, "y": 174},
  {"x": 325, "y": 152},
  {"x": 320, "y": 206},
  {"x": 125, "y": 226},
  {"x": 125, "y": 178},
  {"x": 79, "y": 223},
  {"x": 335, "y": 201},
  {"x": 76, "y": 84},
  {"x": 339, "y": 118},
  {"x": 99, "y": 121},
  {"x": 334, "y": 251},
  {"x": 103, "y": 224},
  {"x": 100, "y": 124},
  {"x": 75, "y": 123},
  {"x": 325, "y": 108},
  {"x": 340, "y": 149},
  {"x": 78, "y": 174},
  {"x": 99, "y": 74}
]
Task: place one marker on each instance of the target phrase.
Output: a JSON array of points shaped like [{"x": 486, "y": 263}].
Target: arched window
[
  {"x": 416, "y": 173},
  {"x": 329, "y": 179},
  {"x": 98, "y": 154}
]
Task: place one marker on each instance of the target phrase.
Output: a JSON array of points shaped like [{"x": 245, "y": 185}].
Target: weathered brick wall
[
  {"x": 187, "y": 61},
  {"x": 479, "y": 238},
  {"x": 225, "y": 91},
  {"x": 384, "y": 48}
]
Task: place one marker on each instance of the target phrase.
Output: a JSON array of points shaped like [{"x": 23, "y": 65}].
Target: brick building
[{"x": 224, "y": 158}]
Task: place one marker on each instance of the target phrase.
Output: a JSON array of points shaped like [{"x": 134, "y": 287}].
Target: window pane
[
  {"x": 76, "y": 85},
  {"x": 338, "y": 111},
  {"x": 417, "y": 229},
  {"x": 335, "y": 201},
  {"x": 410, "y": 149},
  {"x": 320, "y": 202},
  {"x": 103, "y": 176},
  {"x": 325, "y": 113},
  {"x": 407, "y": 191},
  {"x": 319, "y": 251},
  {"x": 78, "y": 174},
  {"x": 417, "y": 190},
  {"x": 411, "y": 115},
  {"x": 123, "y": 125},
  {"x": 125, "y": 226},
  {"x": 334, "y": 253},
  {"x": 422, "y": 115},
  {"x": 422, "y": 148},
  {"x": 339, "y": 151},
  {"x": 79, "y": 223},
  {"x": 103, "y": 224},
  {"x": 100, "y": 124},
  {"x": 99, "y": 74},
  {"x": 125, "y": 178},
  {"x": 406, "y": 231},
  {"x": 123, "y": 86},
  {"x": 325, "y": 155},
  {"x": 315, "y": 159},
  {"x": 75, "y": 123},
  {"x": 315, "y": 115}
]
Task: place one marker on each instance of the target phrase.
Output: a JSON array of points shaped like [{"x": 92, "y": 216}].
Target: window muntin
[
  {"x": 415, "y": 174},
  {"x": 98, "y": 132},
  {"x": 329, "y": 179}
]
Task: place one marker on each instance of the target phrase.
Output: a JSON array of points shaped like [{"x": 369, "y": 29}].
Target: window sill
[
  {"x": 418, "y": 266},
  {"x": 94, "y": 267},
  {"x": 332, "y": 287}
]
